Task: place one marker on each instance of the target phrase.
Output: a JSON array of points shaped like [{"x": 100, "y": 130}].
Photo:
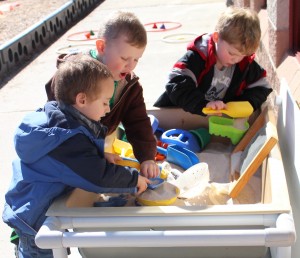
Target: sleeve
[
  {"x": 83, "y": 158},
  {"x": 138, "y": 127},
  {"x": 182, "y": 87},
  {"x": 257, "y": 86}
]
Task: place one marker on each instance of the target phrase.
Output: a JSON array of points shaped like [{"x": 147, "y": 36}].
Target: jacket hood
[{"x": 42, "y": 131}]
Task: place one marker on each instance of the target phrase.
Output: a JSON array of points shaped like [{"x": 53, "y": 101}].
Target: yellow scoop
[
  {"x": 233, "y": 109},
  {"x": 128, "y": 162},
  {"x": 123, "y": 148}
]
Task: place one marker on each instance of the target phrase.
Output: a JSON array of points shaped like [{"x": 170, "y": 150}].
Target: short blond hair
[
  {"x": 124, "y": 23},
  {"x": 240, "y": 27}
]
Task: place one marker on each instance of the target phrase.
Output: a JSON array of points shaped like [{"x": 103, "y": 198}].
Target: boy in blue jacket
[
  {"x": 219, "y": 67},
  {"x": 61, "y": 147}
]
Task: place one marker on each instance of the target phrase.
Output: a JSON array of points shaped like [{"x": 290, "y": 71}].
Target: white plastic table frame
[{"x": 278, "y": 232}]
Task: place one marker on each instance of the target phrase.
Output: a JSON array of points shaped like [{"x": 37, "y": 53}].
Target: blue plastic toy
[
  {"x": 182, "y": 138},
  {"x": 155, "y": 182},
  {"x": 179, "y": 156}
]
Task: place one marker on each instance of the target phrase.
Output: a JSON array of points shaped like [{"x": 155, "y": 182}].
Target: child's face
[
  {"x": 120, "y": 57},
  {"x": 227, "y": 54},
  {"x": 97, "y": 107}
]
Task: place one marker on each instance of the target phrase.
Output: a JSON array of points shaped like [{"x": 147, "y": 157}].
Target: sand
[{"x": 212, "y": 189}]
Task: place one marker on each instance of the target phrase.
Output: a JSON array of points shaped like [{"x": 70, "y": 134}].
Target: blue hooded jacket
[{"x": 57, "y": 152}]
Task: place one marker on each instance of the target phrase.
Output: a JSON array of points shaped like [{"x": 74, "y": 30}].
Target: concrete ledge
[{"x": 22, "y": 47}]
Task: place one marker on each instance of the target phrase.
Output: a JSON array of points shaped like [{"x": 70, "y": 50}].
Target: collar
[
  {"x": 95, "y": 127},
  {"x": 93, "y": 54}
]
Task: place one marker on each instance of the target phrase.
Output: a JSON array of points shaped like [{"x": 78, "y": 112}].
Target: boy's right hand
[
  {"x": 149, "y": 169},
  {"x": 142, "y": 184},
  {"x": 216, "y": 105}
]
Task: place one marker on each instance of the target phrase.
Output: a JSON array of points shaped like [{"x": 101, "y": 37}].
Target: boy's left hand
[{"x": 149, "y": 169}]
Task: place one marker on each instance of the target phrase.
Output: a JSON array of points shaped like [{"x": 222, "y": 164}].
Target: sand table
[
  {"x": 213, "y": 190},
  {"x": 217, "y": 194}
]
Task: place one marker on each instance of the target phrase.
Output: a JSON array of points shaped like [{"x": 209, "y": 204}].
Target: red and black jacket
[{"x": 192, "y": 75}]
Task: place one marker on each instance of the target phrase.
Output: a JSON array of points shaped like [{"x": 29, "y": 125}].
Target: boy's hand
[
  {"x": 149, "y": 169},
  {"x": 112, "y": 158},
  {"x": 216, "y": 105},
  {"x": 142, "y": 184}
]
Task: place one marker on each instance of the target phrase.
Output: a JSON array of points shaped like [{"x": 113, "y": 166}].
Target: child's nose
[
  {"x": 130, "y": 65},
  {"x": 238, "y": 59},
  {"x": 234, "y": 60}
]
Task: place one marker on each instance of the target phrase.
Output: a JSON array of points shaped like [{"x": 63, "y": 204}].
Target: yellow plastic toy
[
  {"x": 233, "y": 109},
  {"x": 123, "y": 148}
]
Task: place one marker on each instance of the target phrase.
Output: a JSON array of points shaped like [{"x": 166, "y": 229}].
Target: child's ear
[
  {"x": 215, "y": 36},
  {"x": 100, "y": 45},
  {"x": 80, "y": 99}
]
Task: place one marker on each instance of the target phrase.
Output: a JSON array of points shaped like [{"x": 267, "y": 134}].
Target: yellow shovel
[
  {"x": 123, "y": 148},
  {"x": 128, "y": 162},
  {"x": 233, "y": 109}
]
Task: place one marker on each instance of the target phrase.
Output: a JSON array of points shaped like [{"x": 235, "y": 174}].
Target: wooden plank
[{"x": 254, "y": 154}]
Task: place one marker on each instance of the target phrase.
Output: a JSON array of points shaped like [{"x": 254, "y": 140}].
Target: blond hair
[
  {"x": 79, "y": 74},
  {"x": 124, "y": 23},
  {"x": 241, "y": 28}
]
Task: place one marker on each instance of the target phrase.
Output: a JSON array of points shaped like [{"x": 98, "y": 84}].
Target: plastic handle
[
  {"x": 127, "y": 162},
  {"x": 213, "y": 111},
  {"x": 155, "y": 182},
  {"x": 162, "y": 150},
  {"x": 234, "y": 109}
]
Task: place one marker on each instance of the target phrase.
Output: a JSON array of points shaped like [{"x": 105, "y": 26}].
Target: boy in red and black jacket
[{"x": 219, "y": 67}]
